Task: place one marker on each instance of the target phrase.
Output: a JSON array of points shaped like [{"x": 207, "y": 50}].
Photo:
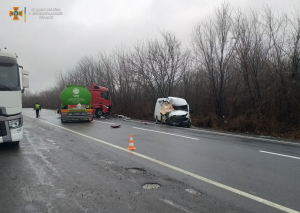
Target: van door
[{"x": 157, "y": 110}]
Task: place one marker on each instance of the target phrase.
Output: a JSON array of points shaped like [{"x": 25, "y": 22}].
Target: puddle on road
[{"x": 151, "y": 186}]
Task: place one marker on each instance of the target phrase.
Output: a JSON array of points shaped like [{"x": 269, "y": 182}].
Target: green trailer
[{"x": 75, "y": 104}]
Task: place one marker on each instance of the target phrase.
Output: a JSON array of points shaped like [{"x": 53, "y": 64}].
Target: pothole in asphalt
[
  {"x": 151, "y": 186},
  {"x": 192, "y": 191},
  {"x": 137, "y": 170}
]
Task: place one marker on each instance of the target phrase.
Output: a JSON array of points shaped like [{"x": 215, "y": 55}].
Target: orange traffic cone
[{"x": 131, "y": 145}]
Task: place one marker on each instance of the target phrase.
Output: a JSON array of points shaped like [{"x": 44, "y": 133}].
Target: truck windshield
[
  {"x": 9, "y": 76},
  {"x": 183, "y": 107},
  {"x": 105, "y": 95}
]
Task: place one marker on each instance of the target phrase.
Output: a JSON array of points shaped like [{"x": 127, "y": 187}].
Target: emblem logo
[
  {"x": 75, "y": 91},
  {"x": 16, "y": 13}
]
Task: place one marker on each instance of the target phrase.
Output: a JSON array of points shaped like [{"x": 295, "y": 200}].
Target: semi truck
[
  {"x": 76, "y": 104},
  {"x": 172, "y": 111},
  {"x": 13, "y": 81},
  {"x": 101, "y": 101}
]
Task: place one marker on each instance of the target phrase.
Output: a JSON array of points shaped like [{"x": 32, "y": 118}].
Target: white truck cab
[
  {"x": 13, "y": 80},
  {"x": 179, "y": 114}
]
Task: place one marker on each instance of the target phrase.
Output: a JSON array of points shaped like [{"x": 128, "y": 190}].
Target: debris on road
[
  {"x": 122, "y": 117},
  {"x": 115, "y": 126}
]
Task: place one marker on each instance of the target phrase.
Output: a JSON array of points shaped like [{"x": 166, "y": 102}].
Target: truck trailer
[
  {"x": 75, "y": 104},
  {"x": 13, "y": 80}
]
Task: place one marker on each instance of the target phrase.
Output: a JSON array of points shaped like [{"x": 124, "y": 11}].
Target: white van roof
[
  {"x": 174, "y": 101},
  {"x": 177, "y": 101}
]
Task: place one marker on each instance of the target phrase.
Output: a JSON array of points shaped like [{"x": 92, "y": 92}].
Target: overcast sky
[{"x": 87, "y": 27}]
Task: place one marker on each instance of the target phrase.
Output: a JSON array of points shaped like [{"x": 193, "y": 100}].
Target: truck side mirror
[
  {"x": 25, "y": 72},
  {"x": 191, "y": 111},
  {"x": 25, "y": 79}
]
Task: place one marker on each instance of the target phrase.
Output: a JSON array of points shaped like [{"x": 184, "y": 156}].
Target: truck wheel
[
  {"x": 63, "y": 120},
  {"x": 99, "y": 113}
]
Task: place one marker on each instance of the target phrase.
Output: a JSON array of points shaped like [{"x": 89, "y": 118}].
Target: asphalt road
[{"x": 84, "y": 167}]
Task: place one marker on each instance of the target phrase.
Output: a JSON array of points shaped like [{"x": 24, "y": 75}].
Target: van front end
[
  {"x": 179, "y": 120},
  {"x": 180, "y": 116},
  {"x": 172, "y": 111}
]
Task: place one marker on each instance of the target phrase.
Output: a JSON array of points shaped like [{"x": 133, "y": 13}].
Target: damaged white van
[{"x": 172, "y": 111}]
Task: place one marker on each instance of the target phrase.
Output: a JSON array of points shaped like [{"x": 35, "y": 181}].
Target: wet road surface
[{"x": 83, "y": 167}]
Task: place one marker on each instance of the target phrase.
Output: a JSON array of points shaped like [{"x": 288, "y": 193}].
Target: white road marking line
[
  {"x": 175, "y": 205},
  {"x": 233, "y": 135},
  {"x": 237, "y": 136},
  {"x": 248, "y": 137},
  {"x": 220, "y": 185},
  {"x": 272, "y": 153},
  {"x": 166, "y": 133},
  {"x": 104, "y": 122}
]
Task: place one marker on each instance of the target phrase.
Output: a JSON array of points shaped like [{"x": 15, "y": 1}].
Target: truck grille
[{"x": 2, "y": 129}]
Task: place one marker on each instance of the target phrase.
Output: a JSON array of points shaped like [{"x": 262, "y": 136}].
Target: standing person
[{"x": 37, "y": 109}]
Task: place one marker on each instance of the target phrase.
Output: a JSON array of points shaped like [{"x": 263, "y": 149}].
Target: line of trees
[{"x": 242, "y": 72}]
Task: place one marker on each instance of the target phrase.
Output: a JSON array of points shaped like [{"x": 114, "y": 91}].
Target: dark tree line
[{"x": 242, "y": 72}]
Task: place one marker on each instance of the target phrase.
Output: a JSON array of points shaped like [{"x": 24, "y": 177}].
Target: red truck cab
[{"x": 101, "y": 101}]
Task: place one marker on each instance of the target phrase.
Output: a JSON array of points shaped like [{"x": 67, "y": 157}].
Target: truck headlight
[{"x": 15, "y": 123}]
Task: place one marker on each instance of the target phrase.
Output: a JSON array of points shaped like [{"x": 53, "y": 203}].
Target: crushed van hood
[{"x": 178, "y": 113}]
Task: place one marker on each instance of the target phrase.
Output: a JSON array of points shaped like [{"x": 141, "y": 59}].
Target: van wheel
[
  {"x": 99, "y": 113},
  {"x": 168, "y": 122},
  {"x": 189, "y": 125}
]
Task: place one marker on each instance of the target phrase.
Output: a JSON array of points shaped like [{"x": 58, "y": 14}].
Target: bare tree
[
  {"x": 160, "y": 66},
  {"x": 213, "y": 48}
]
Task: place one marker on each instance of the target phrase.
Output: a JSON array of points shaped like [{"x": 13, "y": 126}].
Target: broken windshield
[{"x": 183, "y": 107}]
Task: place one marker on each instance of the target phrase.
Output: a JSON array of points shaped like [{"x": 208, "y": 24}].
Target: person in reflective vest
[{"x": 37, "y": 109}]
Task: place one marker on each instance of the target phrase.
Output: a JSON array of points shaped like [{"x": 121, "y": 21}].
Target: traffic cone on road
[{"x": 131, "y": 145}]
